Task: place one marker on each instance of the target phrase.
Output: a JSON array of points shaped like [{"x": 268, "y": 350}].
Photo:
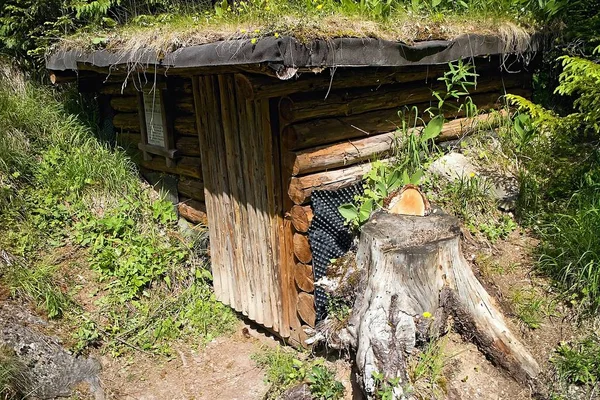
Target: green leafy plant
[
  {"x": 579, "y": 362},
  {"x": 414, "y": 149},
  {"x": 323, "y": 384},
  {"x": 385, "y": 389},
  {"x": 426, "y": 372}
]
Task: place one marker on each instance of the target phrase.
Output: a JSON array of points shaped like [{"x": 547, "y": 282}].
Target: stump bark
[{"x": 413, "y": 277}]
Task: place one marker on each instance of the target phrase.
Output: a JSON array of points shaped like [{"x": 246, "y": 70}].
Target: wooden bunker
[{"x": 249, "y": 130}]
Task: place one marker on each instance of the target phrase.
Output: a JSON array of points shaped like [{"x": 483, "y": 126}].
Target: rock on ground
[{"x": 50, "y": 370}]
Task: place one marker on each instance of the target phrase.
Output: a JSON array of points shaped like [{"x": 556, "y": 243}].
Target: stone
[{"x": 51, "y": 370}]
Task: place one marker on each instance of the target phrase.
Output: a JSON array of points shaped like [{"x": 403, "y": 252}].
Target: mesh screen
[{"x": 329, "y": 237}]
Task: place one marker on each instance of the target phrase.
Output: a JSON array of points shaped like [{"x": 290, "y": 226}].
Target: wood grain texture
[
  {"x": 302, "y": 249},
  {"x": 261, "y": 86},
  {"x": 415, "y": 265},
  {"x": 190, "y": 187},
  {"x": 193, "y": 211},
  {"x": 237, "y": 148},
  {"x": 306, "y": 308},
  {"x": 301, "y": 188},
  {"x": 186, "y": 166},
  {"x": 351, "y": 152},
  {"x": 323, "y": 131},
  {"x": 304, "y": 277},
  {"x": 361, "y": 100},
  {"x": 183, "y": 125},
  {"x": 301, "y": 217}
]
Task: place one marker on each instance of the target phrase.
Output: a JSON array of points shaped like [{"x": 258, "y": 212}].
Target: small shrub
[
  {"x": 323, "y": 384},
  {"x": 285, "y": 370},
  {"x": 579, "y": 362}
]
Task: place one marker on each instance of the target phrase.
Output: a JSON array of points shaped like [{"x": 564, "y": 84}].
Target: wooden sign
[{"x": 154, "y": 119}]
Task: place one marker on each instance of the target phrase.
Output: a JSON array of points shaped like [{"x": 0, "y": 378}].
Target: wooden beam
[
  {"x": 303, "y": 107},
  {"x": 331, "y": 130},
  {"x": 186, "y": 166},
  {"x": 190, "y": 187},
  {"x": 351, "y": 152},
  {"x": 301, "y": 188},
  {"x": 193, "y": 211}
]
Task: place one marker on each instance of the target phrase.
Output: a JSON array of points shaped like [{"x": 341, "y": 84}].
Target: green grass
[
  {"x": 427, "y": 380},
  {"x": 12, "y": 381},
  {"x": 570, "y": 249},
  {"x": 578, "y": 362},
  {"x": 167, "y": 27},
  {"x": 286, "y": 368},
  {"x": 72, "y": 206}
]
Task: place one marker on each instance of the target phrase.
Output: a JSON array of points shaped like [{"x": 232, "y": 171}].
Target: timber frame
[{"x": 248, "y": 147}]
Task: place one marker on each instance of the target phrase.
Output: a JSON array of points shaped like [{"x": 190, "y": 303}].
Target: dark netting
[{"x": 329, "y": 237}]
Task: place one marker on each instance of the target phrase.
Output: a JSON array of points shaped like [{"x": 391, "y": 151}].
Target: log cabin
[{"x": 249, "y": 130}]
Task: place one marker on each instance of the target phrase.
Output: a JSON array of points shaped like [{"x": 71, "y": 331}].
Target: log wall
[
  {"x": 180, "y": 102},
  {"x": 252, "y": 149},
  {"x": 331, "y": 130}
]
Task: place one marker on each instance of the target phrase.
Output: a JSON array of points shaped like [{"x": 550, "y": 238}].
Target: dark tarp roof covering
[{"x": 289, "y": 52}]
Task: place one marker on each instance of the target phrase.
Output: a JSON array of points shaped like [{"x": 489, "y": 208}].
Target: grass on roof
[{"x": 400, "y": 20}]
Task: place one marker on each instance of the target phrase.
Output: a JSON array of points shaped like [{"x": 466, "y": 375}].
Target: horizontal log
[
  {"x": 306, "y": 308},
  {"x": 304, "y": 277},
  {"x": 186, "y": 166},
  {"x": 301, "y": 188},
  {"x": 301, "y": 217},
  {"x": 184, "y": 104},
  {"x": 355, "y": 151},
  {"x": 128, "y": 122},
  {"x": 124, "y": 104},
  {"x": 184, "y": 125},
  {"x": 302, "y": 248},
  {"x": 261, "y": 86},
  {"x": 355, "y": 101},
  {"x": 189, "y": 187},
  {"x": 331, "y": 130},
  {"x": 188, "y": 146},
  {"x": 117, "y": 88},
  {"x": 193, "y": 211}
]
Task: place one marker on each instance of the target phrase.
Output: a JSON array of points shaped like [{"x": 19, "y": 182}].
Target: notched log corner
[{"x": 410, "y": 276}]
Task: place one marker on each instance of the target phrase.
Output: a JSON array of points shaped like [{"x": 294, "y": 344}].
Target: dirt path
[{"x": 222, "y": 370}]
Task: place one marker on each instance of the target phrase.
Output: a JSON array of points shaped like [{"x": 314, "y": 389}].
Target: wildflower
[
  {"x": 276, "y": 35},
  {"x": 254, "y": 40},
  {"x": 243, "y": 31},
  {"x": 256, "y": 30},
  {"x": 267, "y": 8},
  {"x": 427, "y": 314},
  {"x": 319, "y": 6},
  {"x": 472, "y": 174}
]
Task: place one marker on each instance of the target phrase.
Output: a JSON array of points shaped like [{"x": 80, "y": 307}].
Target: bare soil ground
[{"x": 224, "y": 369}]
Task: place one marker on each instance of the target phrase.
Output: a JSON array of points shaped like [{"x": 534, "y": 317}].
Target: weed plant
[
  {"x": 13, "y": 382},
  {"x": 70, "y": 203},
  {"x": 560, "y": 181},
  {"x": 284, "y": 369}
]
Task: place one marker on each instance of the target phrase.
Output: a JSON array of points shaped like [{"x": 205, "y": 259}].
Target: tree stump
[{"x": 413, "y": 277}]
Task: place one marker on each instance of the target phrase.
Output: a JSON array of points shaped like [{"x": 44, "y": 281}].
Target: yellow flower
[
  {"x": 319, "y": 6},
  {"x": 243, "y": 30},
  {"x": 256, "y": 30},
  {"x": 472, "y": 174},
  {"x": 427, "y": 314},
  {"x": 276, "y": 35},
  {"x": 267, "y": 8},
  {"x": 254, "y": 40}
]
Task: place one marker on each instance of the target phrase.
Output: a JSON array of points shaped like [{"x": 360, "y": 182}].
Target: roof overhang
[{"x": 288, "y": 52}]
